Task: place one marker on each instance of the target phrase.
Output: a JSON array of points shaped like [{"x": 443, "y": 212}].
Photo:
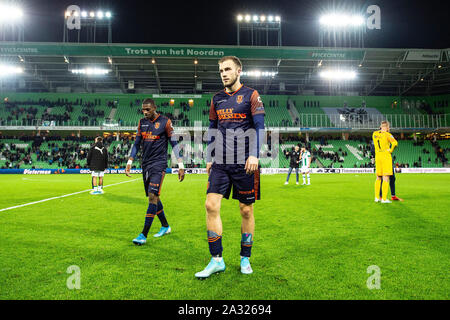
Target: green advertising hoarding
[{"x": 188, "y": 51}]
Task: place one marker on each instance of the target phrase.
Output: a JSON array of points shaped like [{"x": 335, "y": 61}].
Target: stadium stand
[
  {"x": 73, "y": 109},
  {"x": 95, "y": 109},
  {"x": 70, "y": 152}
]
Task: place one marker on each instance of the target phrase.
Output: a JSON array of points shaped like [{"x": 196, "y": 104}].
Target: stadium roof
[{"x": 397, "y": 72}]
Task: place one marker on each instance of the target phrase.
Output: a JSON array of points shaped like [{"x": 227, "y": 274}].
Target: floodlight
[
  {"x": 262, "y": 18},
  {"x": 278, "y": 19},
  {"x": 6, "y": 70},
  {"x": 8, "y": 13},
  {"x": 356, "y": 21},
  {"x": 341, "y": 20},
  {"x": 108, "y": 14},
  {"x": 100, "y": 14},
  {"x": 91, "y": 71},
  {"x": 84, "y": 14},
  {"x": 247, "y": 18},
  {"x": 270, "y": 18},
  {"x": 240, "y": 18},
  {"x": 255, "y": 18},
  {"x": 92, "y": 14},
  {"x": 338, "y": 75},
  {"x": 258, "y": 73}
]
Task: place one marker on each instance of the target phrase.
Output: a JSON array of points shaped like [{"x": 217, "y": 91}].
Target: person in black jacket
[
  {"x": 294, "y": 162},
  {"x": 97, "y": 162}
]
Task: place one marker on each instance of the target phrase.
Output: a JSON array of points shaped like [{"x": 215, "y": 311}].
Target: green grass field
[{"x": 311, "y": 242}]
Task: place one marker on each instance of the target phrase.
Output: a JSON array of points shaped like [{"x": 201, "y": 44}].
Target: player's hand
[
  {"x": 180, "y": 175},
  {"x": 208, "y": 168},
  {"x": 127, "y": 170},
  {"x": 372, "y": 160},
  {"x": 251, "y": 165}
]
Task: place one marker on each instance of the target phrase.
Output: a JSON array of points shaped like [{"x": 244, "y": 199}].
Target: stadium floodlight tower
[
  {"x": 87, "y": 22},
  {"x": 259, "y": 28},
  {"x": 11, "y": 23},
  {"x": 342, "y": 30}
]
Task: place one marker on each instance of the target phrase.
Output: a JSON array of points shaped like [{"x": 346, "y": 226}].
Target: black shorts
[
  {"x": 153, "y": 180},
  {"x": 223, "y": 177}
]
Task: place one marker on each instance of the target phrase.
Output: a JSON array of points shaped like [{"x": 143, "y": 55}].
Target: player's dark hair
[
  {"x": 149, "y": 101},
  {"x": 98, "y": 139},
  {"x": 236, "y": 60}
]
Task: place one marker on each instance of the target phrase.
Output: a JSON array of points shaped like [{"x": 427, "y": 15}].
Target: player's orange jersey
[{"x": 383, "y": 141}]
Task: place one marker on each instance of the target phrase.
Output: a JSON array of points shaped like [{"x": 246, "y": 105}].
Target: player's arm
[
  {"x": 213, "y": 125},
  {"x": 258, "y": 113},
  {"x": 134, "y": 151},
  {"x": 176, "y": 149},
  {"x": 393, "y": 142}
]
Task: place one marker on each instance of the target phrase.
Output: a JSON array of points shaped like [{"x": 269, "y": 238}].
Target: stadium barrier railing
[{"x": 319, "y": 121}]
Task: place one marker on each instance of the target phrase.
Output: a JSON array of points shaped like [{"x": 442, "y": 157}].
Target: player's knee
[
  {"x": 246, "y": 211},
  {"x": 212, "y": 207},
  {"x": 152, "y": 198}
]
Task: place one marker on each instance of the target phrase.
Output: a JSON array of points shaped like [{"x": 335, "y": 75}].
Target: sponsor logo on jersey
[
  {"x": 226, "y": 114},
  {"x": 157, "y": 125},
  {"x": 239, "y": 99},
  {"x": 149, "y": 136}
]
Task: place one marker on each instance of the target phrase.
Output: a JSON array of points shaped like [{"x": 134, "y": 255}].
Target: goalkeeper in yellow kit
[{"x": 385, "y": 144}]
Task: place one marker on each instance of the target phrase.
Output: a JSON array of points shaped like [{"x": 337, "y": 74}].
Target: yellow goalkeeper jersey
[{"x": 383, "y": 142}]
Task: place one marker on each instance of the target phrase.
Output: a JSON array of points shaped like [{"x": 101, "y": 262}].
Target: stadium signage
[
  {"x": 130, "y": 50},
  {"x": 423, "y": 55},
  {"x": 203, "y": 171},
  {"x": 27, "y": 171},
  {"x": 323, "y": 55},
  {"x": 177, "y": 52}
]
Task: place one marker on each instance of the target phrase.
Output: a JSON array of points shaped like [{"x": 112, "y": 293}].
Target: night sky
[{"x": 404, "y": 24}]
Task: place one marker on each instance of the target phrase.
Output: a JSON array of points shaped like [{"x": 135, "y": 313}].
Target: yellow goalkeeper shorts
[{"x": 383, "y": 164}]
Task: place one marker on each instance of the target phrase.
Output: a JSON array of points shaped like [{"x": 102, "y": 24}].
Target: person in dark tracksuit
[
  {"x": 294, "y": 162},
  {"x": 97, "y": 162}
]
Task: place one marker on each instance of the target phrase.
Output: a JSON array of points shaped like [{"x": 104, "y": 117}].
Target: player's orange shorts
[{"x": 383, "y": 164}]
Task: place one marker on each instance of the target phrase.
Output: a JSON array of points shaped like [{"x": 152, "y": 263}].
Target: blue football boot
[
  {"x": 213, "y": 267},
  {"x": 140, "y": 240},
  {"x": 163, "y": 231},
  {"x": 246, "y": 268}
]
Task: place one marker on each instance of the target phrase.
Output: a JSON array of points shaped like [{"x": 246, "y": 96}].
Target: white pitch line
[{"x": 63, "y": 196}]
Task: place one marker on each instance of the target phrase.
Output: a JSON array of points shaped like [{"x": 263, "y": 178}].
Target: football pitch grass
[{"x": 311, "y": 242}]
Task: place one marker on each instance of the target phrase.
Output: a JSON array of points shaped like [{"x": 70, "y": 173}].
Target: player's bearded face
[{"x": 229, "y": 73}]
